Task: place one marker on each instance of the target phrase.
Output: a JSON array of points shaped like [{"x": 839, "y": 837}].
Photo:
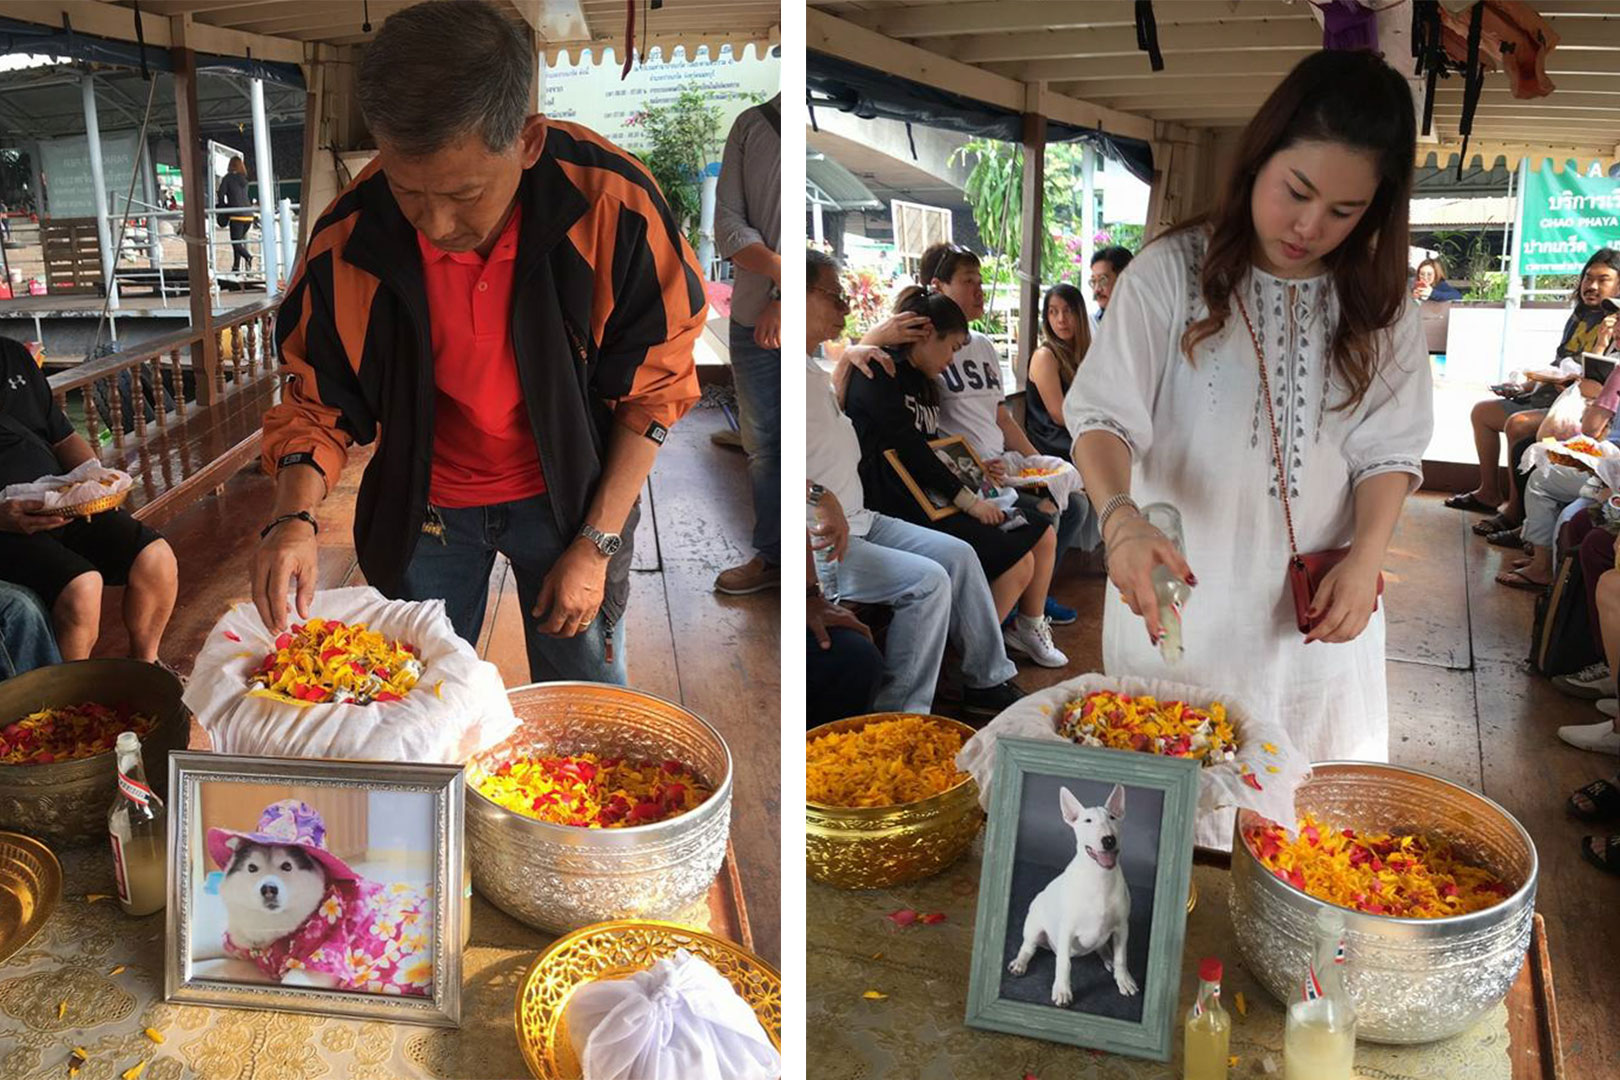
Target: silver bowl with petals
[{"x": 1412, "y": 980}]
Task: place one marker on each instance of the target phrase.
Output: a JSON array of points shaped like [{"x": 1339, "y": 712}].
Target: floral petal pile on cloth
[
  {"x": 1262, "y": 775},
  {"x": 459, "y": 707},
  {"x": 1407, "y": 877},
  {"x": 90, "y": 481},
  {"x": 591, "y": 792},
  {"x": 326, "y": 660},
  {"x": 883, "y": 764},
  {"x": 69, "y": 732},
  {"x": 1149, "y": 726}
]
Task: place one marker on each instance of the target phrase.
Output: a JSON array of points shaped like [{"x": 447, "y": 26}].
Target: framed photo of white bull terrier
[
  {"x": 330, "y": 887},
  {"x": 1083, "y": 896}
]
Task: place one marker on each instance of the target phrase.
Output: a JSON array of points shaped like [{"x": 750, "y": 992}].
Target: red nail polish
[{"x": 1192, "y": 579}]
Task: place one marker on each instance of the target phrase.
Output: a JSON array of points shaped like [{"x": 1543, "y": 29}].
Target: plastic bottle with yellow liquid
[
  {"x": 1208, "y": 1028},
  {"x": 1319, "y": 1041}
]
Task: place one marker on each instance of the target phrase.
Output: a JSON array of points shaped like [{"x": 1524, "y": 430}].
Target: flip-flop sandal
[
  {"x": 1604, "y": 798},
  {"x": 1609, "y": 861},
  {"x": 1494, "y": 524},
  {"x": 1508, "y": 538},
  {"x": 1467, "y": 500},
  {"x": 1515, "y": 579}
]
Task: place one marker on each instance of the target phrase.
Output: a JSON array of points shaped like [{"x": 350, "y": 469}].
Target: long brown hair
[
  {"x": 1068, "y": 353},
  {"x": 1355, "y": 99}
]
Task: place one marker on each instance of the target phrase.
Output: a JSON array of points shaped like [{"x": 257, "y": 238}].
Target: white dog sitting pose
[{"x": 1087, "y": 908}]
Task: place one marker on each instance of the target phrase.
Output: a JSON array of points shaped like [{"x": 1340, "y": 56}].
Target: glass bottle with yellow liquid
[
  {"x": 139, "y": 832},
  {"x": 1208, "y": 1029},
  {"x": 1319, "y": 1041}
]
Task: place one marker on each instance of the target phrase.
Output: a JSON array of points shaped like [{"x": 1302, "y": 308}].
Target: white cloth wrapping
[
  {"x": 678, "y": 1020},
  {"x": 1064, "y": 483},
  {"x": 1605, "y": 462},
  {"x": 1220, "y": 787},
  {"x": 1563, "y": 420},
  {"x": 1199, "y": 441},
  {"x": 90, "y": 481},
  {"x": 470, "y": 713}
]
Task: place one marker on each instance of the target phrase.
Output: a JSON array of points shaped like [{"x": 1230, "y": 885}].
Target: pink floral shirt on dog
[{"x": 369, "y": 937}]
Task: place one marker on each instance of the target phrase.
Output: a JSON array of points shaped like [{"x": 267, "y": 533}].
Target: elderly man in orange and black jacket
[{"x": 506, "y": 307}]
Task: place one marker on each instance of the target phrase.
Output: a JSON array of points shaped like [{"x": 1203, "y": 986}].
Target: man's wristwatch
[
  {"x": 776, "y": 292},
  {"x": 607, "y": 543}
]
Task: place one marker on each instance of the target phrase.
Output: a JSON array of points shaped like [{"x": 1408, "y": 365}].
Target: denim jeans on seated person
[
  {"x": 455, "y": 568},
  {"x": 1077, "y": 527},
  {"x": 27, "y": 640},
  {"x": 937, "y": 588}
]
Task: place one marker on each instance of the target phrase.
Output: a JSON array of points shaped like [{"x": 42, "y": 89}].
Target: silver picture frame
[{"x": 188, "y": 771}]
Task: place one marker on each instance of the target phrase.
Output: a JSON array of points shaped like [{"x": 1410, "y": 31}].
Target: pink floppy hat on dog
[{"x": 288, "y": 823}]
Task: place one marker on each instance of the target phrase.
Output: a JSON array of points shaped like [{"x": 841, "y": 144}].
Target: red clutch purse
[{"x": 1305, "y": 572}]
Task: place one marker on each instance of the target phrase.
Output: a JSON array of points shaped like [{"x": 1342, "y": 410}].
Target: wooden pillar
[
  {"x": 314, "y": 123},
  {"x": 1032, "y": 242},
  {"x": 195, "y": 181}
]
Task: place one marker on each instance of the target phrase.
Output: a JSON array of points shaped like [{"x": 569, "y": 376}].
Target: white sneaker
[
  {"x": 1033, "y": 638},
  {"x": 1609, "y": 707},
  {"x": 1600, "y": 737},
  {"x": 1592, "y": 681}
]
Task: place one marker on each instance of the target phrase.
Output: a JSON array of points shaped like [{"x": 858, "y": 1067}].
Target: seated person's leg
[
  {"x": 26, "y": 640},
  {"x": 129, "y": 554},
  {"x": 1521, "y": 433},
  {"x": 67, "y": 584},
  {"x": 76, "y": 613},
  {"x": 920, "y": 594},
  {"x": 1597, "y": 559},
  {"x": 843, "y": 679},
  {"x": 1488, "y": 420},
  {"x": 1603, "y": 736},
  {"x": 1549, "y": 490}
]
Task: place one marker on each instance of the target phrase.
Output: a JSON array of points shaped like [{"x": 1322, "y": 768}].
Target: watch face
[{"x": 610, "y": 545}]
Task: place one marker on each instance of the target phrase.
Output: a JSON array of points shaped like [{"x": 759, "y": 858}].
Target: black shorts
[{"x": 45, "y": 562}]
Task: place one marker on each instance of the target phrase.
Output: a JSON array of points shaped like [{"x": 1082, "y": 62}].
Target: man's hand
[
  {"x": 823, "y": 615},
  {"x": 288, "y": 554},
  {"x": 832, "y": 534},
  {"x": 768, "y": 329},
  {"x": 571, "y": 593},
  {"x": 996, "y": 470},
  {"x": 986, "y": 512},
  {"x": 901, "y": 328},
  {"x": 23, "y": 516}
]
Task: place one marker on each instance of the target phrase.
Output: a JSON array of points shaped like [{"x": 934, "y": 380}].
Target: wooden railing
[{"x": 156, "y": 375}]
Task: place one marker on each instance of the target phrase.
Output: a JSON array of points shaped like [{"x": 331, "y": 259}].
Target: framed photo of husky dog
[
  {"x": 331, "y": 887},
  {"x": 1093, "y": 848}
]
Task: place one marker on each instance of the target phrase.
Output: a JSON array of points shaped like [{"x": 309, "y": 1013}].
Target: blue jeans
[
  {"x": 27, "y": 640},
  {"x": 1077, "y": 526},
  {"x": 757, "y": 376},
  {"x": 455, "y": 568},
  {"x": 937, "y": 588}
]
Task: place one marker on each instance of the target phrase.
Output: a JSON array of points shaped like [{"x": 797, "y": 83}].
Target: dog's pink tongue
[{"x": 1105, "y": 859}]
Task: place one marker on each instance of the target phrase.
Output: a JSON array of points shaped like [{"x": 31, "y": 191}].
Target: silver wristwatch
[{"x": 607, "y": 543}]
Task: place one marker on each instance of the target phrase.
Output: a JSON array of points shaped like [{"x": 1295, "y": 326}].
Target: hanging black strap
[
  {"x": 912, "y": 139},
  {"x": 810, "y": 103},
  {"x": 140, "y": 40},
  {"x": 1147, "y": 34},
  {"x": 1473, "y": 81}
]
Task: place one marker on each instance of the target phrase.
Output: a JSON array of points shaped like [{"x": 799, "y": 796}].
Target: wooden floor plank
[
  {"x": 1422, "y": 584},
  {"x": 1434, "y": 722}
]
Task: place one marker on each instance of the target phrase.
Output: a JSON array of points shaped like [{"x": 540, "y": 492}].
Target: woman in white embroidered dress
[{"x": 1310, "y": 241}]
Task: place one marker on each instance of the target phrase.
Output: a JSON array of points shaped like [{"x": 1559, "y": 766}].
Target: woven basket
[{"x": 88, "y": 509}]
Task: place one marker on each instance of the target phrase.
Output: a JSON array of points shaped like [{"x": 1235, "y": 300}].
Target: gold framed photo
[{"x": 957, "y": 455}]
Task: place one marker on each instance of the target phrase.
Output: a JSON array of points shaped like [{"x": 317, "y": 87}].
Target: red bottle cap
[{"x": 1209, "y": 969}]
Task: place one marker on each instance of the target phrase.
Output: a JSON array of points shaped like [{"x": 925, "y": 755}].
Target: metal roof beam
[
  {"x": 1075, "y": 45},
  {"x": 944, "y": 20}
]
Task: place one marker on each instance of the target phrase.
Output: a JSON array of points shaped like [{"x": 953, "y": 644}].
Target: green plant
[
  {"x": 1490, "y": 286},
  {"x": 685, "y": 137},
  {"x": 995, "y": 194}
]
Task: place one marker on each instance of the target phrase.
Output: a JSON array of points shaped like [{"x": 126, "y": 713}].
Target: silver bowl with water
[{"x": 1412, "y": 980}]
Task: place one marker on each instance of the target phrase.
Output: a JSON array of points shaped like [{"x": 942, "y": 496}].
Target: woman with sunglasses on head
[
  {"x": 1272, "y": 337},
  {"x": 900, "y": 412}
]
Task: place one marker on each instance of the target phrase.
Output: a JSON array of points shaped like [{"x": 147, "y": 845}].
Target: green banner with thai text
[{"x": 1564, "y": 218}]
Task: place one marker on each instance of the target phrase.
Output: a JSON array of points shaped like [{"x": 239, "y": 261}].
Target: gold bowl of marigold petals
[
  {"x": 885, "y": 802},
  {"x": 57, "y": 728},
  {"x": 1437, "y": 885},
  {"x": 606, "y": 803}
]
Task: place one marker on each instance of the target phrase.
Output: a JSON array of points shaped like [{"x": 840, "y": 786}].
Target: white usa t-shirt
[{"x": 970, "y": 395}]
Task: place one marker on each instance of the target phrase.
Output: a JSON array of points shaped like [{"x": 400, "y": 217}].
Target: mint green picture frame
[{"x": 1177, "y": 779}]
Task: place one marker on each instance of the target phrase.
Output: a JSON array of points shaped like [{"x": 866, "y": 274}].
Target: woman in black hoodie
[{"x": 233, "y": 192}]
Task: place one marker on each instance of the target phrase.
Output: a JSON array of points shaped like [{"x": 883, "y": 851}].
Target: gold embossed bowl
[
  {"x": 875, "y": 847},
  {"x": 66, "y": 803},
  {"x": 559, "y": 878},
  {"x": 616, "y": 950},
  {"x": 30, "y": 885}
]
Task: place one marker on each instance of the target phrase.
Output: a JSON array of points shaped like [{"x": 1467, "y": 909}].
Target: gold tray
[
  {"x": 88, "y": 509},
  {"x": 616, "y": 950},
  {"x": 30, "y": 884}
]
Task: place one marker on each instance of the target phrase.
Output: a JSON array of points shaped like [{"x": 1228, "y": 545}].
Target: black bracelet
[{"x": 302, "y": 515}]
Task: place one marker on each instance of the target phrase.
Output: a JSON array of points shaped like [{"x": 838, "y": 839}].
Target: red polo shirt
[{"x": 483, "y": 444}]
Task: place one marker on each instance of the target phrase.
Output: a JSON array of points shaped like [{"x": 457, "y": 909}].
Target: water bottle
[{"x": 1171, "y": 592}]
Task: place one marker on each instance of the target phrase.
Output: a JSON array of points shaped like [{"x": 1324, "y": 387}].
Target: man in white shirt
[{"x": 932, "y": 580}]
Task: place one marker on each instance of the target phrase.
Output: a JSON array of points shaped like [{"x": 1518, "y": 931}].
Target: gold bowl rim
[
  {"x": 856, "y": 723},
  {"x": 49, "y": 894},
  {"x": 1485, "y": 916},
  {"x": 530, "y": 1043}
]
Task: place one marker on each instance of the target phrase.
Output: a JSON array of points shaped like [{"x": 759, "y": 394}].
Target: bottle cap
[
  {"x": 128, "y": 743},
  {"x": 1330, "y": 920},
  {"x": 1209, "y": 969}
]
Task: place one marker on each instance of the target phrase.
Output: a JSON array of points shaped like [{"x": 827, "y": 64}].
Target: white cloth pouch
[
  {"x": 678, "y": 1020},
  {"x": 1062, "y": 484},
  {"x": 1563, "y": 419},
  {"x": 88, "y": 482},
  {"x": 458, "y": 707},
  {"x": 1263, "y": 777},
  {"x": 1599, "y": 455}
]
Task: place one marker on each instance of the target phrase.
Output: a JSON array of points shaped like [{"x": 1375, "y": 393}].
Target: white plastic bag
[
  {"x": 1563, "y": 420},
  {"x": 678, "y": 1020},
  {"x": 1263, "y": 777},
  {"x": 88, "y": 482},
  {"x": 469, "y": 712}
]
